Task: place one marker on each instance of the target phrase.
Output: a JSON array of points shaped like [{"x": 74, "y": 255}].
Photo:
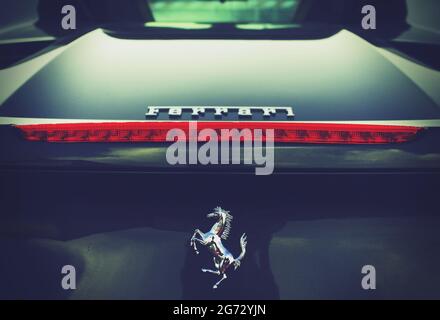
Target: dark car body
[{"x": 123, "y": 215}]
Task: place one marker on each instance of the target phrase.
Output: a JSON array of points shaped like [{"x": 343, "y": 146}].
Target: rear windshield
[{"x": 217, "y": 11}]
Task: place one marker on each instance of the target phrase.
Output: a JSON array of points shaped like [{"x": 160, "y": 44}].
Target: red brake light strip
[{"x": 284, "y": 132}]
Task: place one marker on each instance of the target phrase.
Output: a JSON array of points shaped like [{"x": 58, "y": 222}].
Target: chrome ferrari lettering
[
  {"x": 152, "y": 111},
  {"x": 289, "y": 111},
  {"x": 218, "y": 111},
  {"x": 196, "y": 111},
  {"x": 245, "y": 112},
  {"x": 175, "y": 111},
  {"x": 268, "y": 111}
]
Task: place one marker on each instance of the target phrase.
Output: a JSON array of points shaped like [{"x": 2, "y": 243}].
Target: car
[{"x": 349, "y": 124}]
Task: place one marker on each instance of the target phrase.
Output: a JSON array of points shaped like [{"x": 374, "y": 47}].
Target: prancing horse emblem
[{"x": 213, "y": 240}]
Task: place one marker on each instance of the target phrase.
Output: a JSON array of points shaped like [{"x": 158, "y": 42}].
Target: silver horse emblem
[{"x": 223, "y": 259}]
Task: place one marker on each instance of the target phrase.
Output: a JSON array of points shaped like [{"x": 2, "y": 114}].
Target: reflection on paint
[
  {"x": 178, "y": 25},
  {"x": 265, "y": 26}
]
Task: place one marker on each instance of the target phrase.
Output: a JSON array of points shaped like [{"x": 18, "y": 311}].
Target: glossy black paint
[{"x": 339, "y": 78}]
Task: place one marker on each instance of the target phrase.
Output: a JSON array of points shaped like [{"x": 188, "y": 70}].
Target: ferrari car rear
[{"x": 319, "y": 136}]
